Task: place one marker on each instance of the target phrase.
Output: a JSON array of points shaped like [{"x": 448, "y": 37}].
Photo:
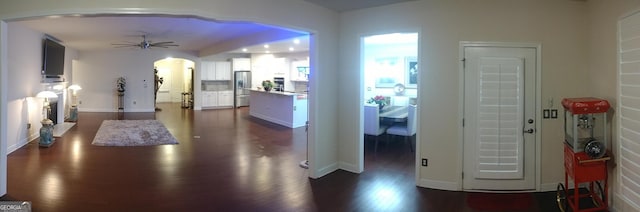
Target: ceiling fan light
[{"x": 145, "y": 44}]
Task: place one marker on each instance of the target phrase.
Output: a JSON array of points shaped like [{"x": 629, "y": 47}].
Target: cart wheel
[
  {"x": 598, "y": 192},
  {"x": 561, "y": 197}
]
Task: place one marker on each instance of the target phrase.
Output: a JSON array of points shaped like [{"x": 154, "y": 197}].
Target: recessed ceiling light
[
  {"x": 296, "y": 41},
  {"x": 266, "y": 46},
  {"x": 290, "y": 49},
  {"x": 244, "y": 50}
]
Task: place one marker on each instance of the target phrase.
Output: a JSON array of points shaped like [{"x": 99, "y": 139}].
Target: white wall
[
  {"x": 97, "y": 72},
  {"x": 25, "y": 65},
  {"x": 560, "y": 26},
  {"x": 603, "y": 22},
  {"x": 376, "y": 51},
  {"x": 4, "y": 78},
  {"x": 300, "y": 15}
]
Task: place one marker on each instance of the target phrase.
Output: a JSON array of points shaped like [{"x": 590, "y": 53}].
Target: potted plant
[
  {"x": 379, "y": 100},
  {"x": 267, "y": 85},
  {"x": 120, "y": 84}
]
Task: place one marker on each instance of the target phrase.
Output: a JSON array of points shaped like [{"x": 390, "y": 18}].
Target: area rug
[
  {"x": 133, "y": 133},
  {"x": 499, "y": 201}
]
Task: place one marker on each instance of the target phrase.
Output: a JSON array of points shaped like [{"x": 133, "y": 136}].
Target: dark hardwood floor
[{"x": 226, "y": 161}]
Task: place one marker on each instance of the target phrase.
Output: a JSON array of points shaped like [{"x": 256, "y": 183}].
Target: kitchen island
[{"x": 284, "y": 108}]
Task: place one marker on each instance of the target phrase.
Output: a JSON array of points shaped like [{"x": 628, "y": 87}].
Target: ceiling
[
  {"x": 346, "y": 5},
  {"x": 190, "y": 33}
]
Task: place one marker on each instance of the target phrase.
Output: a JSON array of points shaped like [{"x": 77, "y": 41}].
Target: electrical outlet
[
  {"x": 28, "y": 125},
  {"x": 425, "y": 162}
]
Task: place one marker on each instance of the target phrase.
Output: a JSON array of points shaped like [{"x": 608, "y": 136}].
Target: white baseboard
[
  {"x": 22, "y": 143},
  {"x": 436, "y": 184},
  {"x": 112, "y": 110},
  {"x": 349, "y": 167},
  {"x": 550, "y": 186},
  {"x": 139, "y": 110},
  {"x": 272, "y": 120},
  {"x": 96, "y": 110},
  {"x": 326, "y": 170}
]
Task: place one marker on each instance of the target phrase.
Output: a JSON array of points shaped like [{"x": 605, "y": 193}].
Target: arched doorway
[{"x": 173, "y": 81}]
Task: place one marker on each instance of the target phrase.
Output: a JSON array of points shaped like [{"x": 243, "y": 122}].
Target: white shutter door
[
  {"x": 500, "y": 119},
  {"x": 629, "y": 110}
]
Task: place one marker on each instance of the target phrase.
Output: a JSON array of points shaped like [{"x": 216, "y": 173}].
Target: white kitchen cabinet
[
  {"x": 204, "y": 67},
  {"x": 223, "y": 70},
  {"x": 208, "y": 70},
  {"x": 300, "y": 71},
  {"x": 241, "y": 64},
  {"x": 216, "y": 70},
  {"x": 217, "y": 98},
  {"x": 225, "y": 98},
  {"x": 209, "y": 98}
]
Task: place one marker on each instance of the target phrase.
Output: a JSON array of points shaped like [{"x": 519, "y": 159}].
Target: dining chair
[
  {"x": 407, "y": 130},
  {"x": 372, "y": 124},
  {"x": 400, "y": 101}
]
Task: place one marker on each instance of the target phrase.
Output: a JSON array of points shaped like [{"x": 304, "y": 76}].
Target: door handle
[{"x": 530, "y": 131}]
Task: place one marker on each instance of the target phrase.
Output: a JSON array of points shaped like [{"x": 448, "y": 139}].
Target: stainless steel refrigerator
[{"x": 241, "y": 86}]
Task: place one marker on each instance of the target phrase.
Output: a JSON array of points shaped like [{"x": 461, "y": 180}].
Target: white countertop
[{"x": 285, "y": 93}]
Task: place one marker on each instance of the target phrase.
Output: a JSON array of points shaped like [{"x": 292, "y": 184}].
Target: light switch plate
[
  {"x": 554, "y": 114},
  {"x": 546, "y": 113}
]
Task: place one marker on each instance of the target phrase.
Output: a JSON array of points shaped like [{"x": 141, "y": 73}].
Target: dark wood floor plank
[{"x": 226, "y": 161}]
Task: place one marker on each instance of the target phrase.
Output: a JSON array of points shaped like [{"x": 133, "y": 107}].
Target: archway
[{"x": 173, "y": 82}]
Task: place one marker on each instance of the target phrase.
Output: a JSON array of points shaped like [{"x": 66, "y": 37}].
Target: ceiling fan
[{"x": 145, "y": 44}]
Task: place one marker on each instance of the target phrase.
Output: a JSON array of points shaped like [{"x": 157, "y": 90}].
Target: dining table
[{"x": 394, "y": 113}]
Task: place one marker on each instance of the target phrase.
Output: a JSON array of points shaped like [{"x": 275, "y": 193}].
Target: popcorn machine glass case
[{"x": 585, "y": 125}]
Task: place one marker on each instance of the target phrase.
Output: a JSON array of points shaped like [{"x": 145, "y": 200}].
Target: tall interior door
[{"x": 499, "y": 118}]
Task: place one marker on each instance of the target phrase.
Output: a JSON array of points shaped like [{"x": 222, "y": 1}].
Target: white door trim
[{"x": 463, "y": 44}]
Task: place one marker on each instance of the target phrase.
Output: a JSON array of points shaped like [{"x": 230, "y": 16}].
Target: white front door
[{"x": 499, "y": 118}]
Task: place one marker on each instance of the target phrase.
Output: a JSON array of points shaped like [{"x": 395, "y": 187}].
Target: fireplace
[
  {"x": 58, "y": 105},
  {"x": 53, "y": 113}
]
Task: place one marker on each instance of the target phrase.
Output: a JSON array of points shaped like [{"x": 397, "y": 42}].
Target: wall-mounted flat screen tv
[{"x": 52, "y": 58}]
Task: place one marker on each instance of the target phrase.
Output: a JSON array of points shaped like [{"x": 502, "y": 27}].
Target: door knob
[{"x": 530, "y": 131}]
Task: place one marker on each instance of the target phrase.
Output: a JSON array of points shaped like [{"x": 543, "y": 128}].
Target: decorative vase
[
  {"x": 46, "y": 133},
  {"x": 267, "y": 89},
  {"x": 380, "y": 106}
]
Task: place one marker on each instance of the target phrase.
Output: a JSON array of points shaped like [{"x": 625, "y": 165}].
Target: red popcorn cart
[{"x": 585, "y": 155}]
